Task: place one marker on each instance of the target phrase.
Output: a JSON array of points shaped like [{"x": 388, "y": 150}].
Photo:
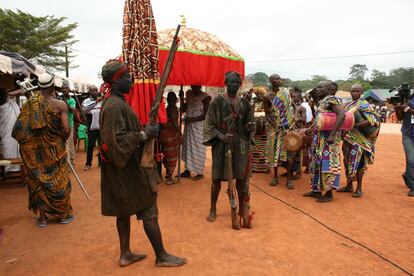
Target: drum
[
  {"x": 368, "y": 131},
  {"x": 327, "y": 120},
  {"x": 296, "y": 140}
]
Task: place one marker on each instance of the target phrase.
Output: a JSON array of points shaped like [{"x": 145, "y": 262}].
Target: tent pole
[{"x": 180, "y": 136}]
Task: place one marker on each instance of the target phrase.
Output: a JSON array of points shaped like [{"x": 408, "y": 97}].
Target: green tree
[
  {"x": 318, "y": 78},
  {"x": 39, "y": 39},
  {"x": 402, "y": 75},
  {"x": 379, "y": 79},
  {"x": 358, "y": 71},
  {"x": 260, "y": 79},
  {"x": 344, "y": 85}
]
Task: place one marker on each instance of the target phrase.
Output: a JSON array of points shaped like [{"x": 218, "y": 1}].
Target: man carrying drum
[
  {"x": 358, "y": 147},
  {"x": 325, "y": 166}
]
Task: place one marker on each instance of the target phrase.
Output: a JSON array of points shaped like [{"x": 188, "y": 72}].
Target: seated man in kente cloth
[
  {"x": 41, "y": 130},
  {"x": 229, "y": 123},
  {"x": 127, "y": 188}
]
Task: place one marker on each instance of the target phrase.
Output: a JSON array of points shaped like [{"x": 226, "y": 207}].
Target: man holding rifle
[
  {"x": 128, "y": 188},
  {"x": 228, "y": 127}
]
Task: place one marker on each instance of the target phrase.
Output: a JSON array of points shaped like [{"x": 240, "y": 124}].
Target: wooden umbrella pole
[{"x": 180, "y": 136}]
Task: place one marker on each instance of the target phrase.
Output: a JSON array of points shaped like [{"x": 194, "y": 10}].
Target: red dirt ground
[{"x": 283, "y": 240}]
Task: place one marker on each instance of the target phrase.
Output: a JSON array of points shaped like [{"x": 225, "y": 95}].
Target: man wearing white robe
[{"x": 9, "y": 111}]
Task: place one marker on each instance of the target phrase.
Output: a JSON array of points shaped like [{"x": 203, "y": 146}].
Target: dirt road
[{"x": 283, "y": 240}]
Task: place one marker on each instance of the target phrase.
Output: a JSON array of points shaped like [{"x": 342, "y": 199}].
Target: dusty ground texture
[{"x": 283, "y": 240}]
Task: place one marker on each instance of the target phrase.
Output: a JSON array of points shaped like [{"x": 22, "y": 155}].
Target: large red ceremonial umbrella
[
  {"x": 140, "y": 52},
  {"x": 201, "y": 58}
]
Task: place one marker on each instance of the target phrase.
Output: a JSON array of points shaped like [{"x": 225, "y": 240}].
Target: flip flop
[
  {"x": 357, "y": 195},
  {"x": 344, "y": 190},
  {"x": 324, "y": 199},
  {"x": 274, "y": 182},
  {"x": 67, "y": 220},
  {"x": 198, "y": 177},
  {"x": 41, "y": 224},
  {"x": 170, "y": 182}
]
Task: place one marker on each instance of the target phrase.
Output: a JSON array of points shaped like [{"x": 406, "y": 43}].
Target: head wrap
[
  {"x": 111, "y": 71},
  {"x": 231, "y": 74}
]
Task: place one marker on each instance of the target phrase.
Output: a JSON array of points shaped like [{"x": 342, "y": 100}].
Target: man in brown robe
[
  {"x": 229, "y": 123},
  {"x": 127, "y": 188}
]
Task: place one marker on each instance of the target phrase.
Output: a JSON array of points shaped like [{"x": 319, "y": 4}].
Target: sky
[{"x": 291, "y": 38}]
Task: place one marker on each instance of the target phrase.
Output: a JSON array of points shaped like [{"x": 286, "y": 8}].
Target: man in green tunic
[
  {"x": 229, "y": 123},
  {"x": 127, "y": 188}
]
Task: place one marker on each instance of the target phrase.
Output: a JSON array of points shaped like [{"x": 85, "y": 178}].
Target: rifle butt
[{"x": 147, "y": 159}]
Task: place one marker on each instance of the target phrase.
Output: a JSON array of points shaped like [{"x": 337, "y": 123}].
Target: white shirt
[
  {"x": 309, "y": 115},
  {"x": 92, "y": 107}
]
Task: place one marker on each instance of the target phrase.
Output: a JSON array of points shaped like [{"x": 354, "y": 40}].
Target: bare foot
[
  {"x": 167, "y": 260},
  {"x": 131, "y": 258},
  {"x": 212, "y": 216}
]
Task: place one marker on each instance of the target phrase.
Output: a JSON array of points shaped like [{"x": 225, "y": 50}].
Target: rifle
[
  {"x": 247, "y": 216},
  {"x": 231, "y": 185},
  {"x": 147, "y": 160},
  {"x": 232, "y": 189}
]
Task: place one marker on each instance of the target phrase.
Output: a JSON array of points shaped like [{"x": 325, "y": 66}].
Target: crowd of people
[{"x": 232, "y": 124}]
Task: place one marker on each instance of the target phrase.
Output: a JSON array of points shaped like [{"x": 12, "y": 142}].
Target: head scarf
[{"x": 111, "y": 71}]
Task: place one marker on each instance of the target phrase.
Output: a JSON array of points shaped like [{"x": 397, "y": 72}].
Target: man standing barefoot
[
  {"x": 127, "y": 188},
  {"x": 228, "y": 124}
]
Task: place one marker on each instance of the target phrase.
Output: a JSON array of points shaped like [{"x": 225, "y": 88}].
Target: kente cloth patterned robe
[
  {"x": 325, "y": 165},
  {"x": 219, "y": 118},
  {"x": 38, "y": 131},
  {"x": 282, "y": 115},
  {"x": 357, "y": 149},
  {"x": 126, "y": 188}
]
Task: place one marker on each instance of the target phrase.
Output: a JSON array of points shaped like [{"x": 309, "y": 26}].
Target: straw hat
[{"x": 45, "y": 80}]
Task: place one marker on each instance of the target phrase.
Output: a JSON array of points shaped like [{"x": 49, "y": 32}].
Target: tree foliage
[
  {"x": 358, "y": 71},
  {"x": 377, "y": 80},
  {"x": 395, "y": 77},
  {"x": 305, "y": 85},
  {"x": 39, "y": 39},
  {"x": 260, "y": 79}
]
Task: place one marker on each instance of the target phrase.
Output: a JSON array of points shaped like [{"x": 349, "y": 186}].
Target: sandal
[
  {"x": 344, "y": 190},
  {"x": 198, "y": 177},
  {"x": 67, "y": 220},
  {"x": 41, "y": 223},
  {"x": 274, "y": 182},
  {"x": 170, "y": 181}
]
